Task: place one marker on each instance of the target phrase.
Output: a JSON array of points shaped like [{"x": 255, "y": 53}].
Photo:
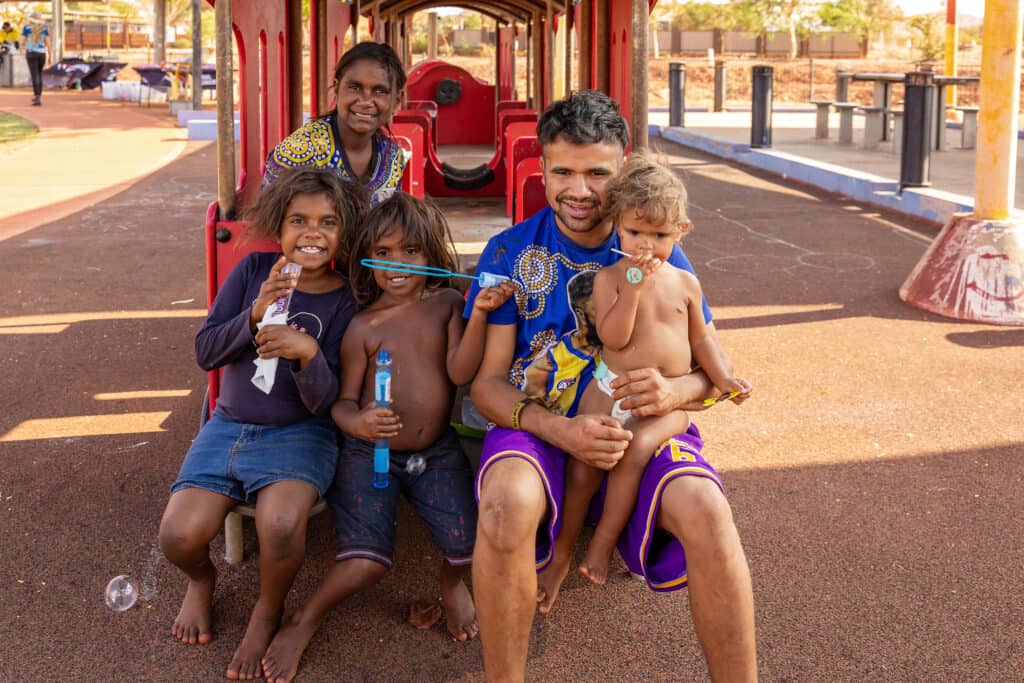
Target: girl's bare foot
[
  {"x": 597, "y": 560},
  {"x": 281, "y": 663},
  {"x": 549, "y": 581},
  {"x": 459, "y": 612},
  {"x": 246, "y": 664},
  {"x": 194, "y": 622}
]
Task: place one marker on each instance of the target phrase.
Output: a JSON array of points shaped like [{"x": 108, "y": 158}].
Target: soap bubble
[
  {"x": 415, "y": 465},
  {"x": 120, "y": 594}
]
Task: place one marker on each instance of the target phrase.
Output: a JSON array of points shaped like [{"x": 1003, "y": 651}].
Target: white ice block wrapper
[{"x": 266, "y": 368}]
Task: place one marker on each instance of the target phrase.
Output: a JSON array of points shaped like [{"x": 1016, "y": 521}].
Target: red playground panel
[
  {"x": 507, "y": 117},
  {"x": 520, "y": 148},
  {"x": 410, "y": 137},
  {"x": 226, "y": 245},
  {"x": 465, "y": 105},
  {"x": 529, "y": 189}
]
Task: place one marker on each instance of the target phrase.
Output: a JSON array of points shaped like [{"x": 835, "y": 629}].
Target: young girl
[
  {"x": 643, "y": 310},
  {"x": 418, "y": 320},
  {"x": 276, "y": 449},
  {"x": 349, "y": 139}
]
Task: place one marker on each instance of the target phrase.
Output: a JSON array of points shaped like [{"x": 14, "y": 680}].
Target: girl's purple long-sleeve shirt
[{"x": 225, "y": 341}]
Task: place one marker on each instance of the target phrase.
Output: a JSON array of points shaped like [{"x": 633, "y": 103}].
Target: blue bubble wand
[{"x": 485, "y": 279}]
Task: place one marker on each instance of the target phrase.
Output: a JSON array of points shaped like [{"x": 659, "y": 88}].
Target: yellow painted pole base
[{"x": 974, "y": 270}]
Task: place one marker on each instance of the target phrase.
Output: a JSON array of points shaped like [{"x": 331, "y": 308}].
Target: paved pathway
[
  {"x": 951, "y": 170},
  {"x": 88, "y": 149}
]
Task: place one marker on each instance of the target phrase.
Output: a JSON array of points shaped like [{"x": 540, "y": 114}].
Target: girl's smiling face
[
  {"x": 310, "y": 231},
  {"x": 393, "y": 245},
  {"x": 365, "y": 97}
]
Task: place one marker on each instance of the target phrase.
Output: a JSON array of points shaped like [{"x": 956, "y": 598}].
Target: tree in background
[
  {"x": 698, "y": 16},
  {"x": 929, "y": 28},
  {"x": 793, "y": 17},
  {"x": 865, "y": 19}
]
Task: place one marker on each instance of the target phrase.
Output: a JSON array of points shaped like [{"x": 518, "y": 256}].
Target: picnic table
[
  {"x": 941, "y": 83},
  {"x": 882, "y": 92},
  {"x": 883, "y": 88}
]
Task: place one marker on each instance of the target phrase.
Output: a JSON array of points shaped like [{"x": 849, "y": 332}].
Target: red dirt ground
[{"x": 876, "y": 476}]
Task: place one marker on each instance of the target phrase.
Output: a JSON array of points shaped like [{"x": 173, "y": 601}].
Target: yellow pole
[
  {"x": 951, "y": 51},
  {"x": 996, "y": 154}
]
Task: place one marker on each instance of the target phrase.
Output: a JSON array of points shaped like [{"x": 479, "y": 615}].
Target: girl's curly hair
[{"x": 350, "y": 199}]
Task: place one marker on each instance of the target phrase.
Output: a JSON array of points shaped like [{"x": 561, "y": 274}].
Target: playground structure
[{"x": 447, "y": 104}]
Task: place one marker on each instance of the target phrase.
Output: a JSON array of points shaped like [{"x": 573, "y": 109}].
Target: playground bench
[
  {"x": 845, "y": 110},
  {"x": 822, "y": 110},
  {"x": 969, "y": 129}
]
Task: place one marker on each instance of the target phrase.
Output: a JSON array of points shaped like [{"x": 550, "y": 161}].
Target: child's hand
[
  {"x": 646, "y": 263},
  {"x": 735, "y": 384},
  {"x": 284, "y": 341},
  {"x": 278, "y": 284},
  {"x": 374, "y": 423},
  {"x": 491, "y": 298}
]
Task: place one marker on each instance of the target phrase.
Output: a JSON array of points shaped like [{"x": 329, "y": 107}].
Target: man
[
  {"x": 8, "y": 34},
  {"x": 521, "y": 479}
]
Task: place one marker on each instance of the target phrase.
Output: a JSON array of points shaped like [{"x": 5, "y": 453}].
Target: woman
[
  {"x": 368, "y": 85},
  {"x": 37, "y": 53}
]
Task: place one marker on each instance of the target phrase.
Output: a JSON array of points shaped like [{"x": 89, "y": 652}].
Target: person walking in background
[{"x": 37, "y": 53}]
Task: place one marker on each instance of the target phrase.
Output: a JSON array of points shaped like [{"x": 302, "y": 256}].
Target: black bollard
[
  {"x": 761, "y": 107},
  {"x": 918, "y": 115},
  {"x": 676, "y": 94},
  {"x": 719, "y": 86}
]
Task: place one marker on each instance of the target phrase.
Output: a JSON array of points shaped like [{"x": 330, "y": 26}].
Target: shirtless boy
[{"x": 418, "y": 320}]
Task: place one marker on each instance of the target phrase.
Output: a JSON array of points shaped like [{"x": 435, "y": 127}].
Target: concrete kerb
[{"x": 927, "y": 204}]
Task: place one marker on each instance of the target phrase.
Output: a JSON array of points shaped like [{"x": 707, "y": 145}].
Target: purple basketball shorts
[{"x": 648, "y": 551}]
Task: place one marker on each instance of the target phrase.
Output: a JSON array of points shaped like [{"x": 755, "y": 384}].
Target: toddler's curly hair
[{"x": 651, "y": 190}]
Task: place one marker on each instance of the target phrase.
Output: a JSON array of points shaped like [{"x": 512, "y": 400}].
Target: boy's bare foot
[
  {"x": 281, "y": 663},
  {"x": 425, "y": 613},
  {"x": 549, "y": 581},
  {"x": 597, "y": 560},
  {"x": 459, "y": 612},
  {"x": 246, "y": 664},
  {"x": 193, "y": 623}
]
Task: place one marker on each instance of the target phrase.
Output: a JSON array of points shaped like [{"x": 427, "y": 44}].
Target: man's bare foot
[
  {"x": 595, "y": 563},
  {"x": 246, "y": 664},
  {"x": 194, "y": 622},
  {"x": 281, "y": 662},
  {"x": 549, "y": 581},
  {"x": 459, "y": 612}
]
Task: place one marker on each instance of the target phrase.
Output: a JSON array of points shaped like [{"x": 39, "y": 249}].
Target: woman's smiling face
[{"x": 365, "y": 97}]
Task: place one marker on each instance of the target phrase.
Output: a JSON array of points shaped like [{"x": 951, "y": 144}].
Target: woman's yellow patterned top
[{"x": 318, "y": 144}]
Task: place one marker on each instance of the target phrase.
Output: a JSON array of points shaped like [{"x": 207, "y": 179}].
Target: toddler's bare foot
[
  {"x": 193, "y": 623},
  {"x": 246, "y": 665},
  {"x": 595, "y": 564},
  {"x": 459, "y": 612},
  {"x": 549, "y": 582},
  {"x": 281, "y": 663}
]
